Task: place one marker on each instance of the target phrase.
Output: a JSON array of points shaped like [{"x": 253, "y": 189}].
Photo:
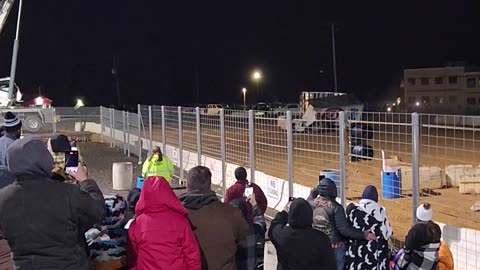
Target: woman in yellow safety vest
[{"x": 158, "y": 165}]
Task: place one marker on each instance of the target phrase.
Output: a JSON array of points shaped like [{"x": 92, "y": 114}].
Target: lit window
[
  {"x": 424, "y": 81},
  {"x": 439, "y": 100},
  {"x": 438, "y": 80}
]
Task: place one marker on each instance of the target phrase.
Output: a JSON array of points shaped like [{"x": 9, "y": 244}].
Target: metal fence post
[
  {"x": 164, "y": 131},
  {"x": 54, "y": 125},
  {"x": 199, "y": 138},
  {"x": 124, "y": 122},
  {"x": 128, "y": 132},
  {"x": 342, "y": 144},
  {"x": 415, "y": 163},
  {"x": 112, "y": 126},
  {"x": 222, "y": 152},
  {"x": 180, "y": 144},
  {"x": 290, "y": 153},
  {"x": 150, "y": 131},
  {"x": 139, "y": 116},
  {"x": 101, "y": 124},
  {"x": 251, "y": 144}
]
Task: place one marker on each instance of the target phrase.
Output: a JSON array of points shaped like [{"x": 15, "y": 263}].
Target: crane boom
[{"x": 5, "y": 7}]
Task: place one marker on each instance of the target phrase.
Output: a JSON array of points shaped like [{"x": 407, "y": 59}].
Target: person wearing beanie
[
  {"x": 298, "y": 245},
  {"x": 422, "y": 243},
  {"x": 370, "y": 216},
  {"x": 424, "y": 213},
  {"x": 13, "y": 130},
  {"x": 329, "y": 217},
  {"x": 236, "y": 191}
]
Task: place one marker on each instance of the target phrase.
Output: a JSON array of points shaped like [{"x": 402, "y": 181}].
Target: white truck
[
  {"x": 34, "y": 118},
  {"x": 320, "y": 111}
]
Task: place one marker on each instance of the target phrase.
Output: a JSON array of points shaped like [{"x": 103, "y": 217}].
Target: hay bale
[
  {"x": 469, "y": 183},
  {"x": 453, "y": 173},
  {"x": 430, "y": 178}
]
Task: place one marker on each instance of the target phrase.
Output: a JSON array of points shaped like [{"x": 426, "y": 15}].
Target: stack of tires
[{"x": 360, "y": 136}]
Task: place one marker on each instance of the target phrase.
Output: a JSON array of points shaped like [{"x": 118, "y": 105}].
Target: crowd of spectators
[{"x": 50, "y": 219}]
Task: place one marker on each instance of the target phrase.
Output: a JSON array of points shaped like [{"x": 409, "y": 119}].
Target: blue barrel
[
  {"x": 140, "y": 182},
  {"x": 391, "y": 185},
  {"x": 333, "y": 175}
]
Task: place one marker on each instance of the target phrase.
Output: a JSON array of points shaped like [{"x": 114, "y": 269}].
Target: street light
[
  {"x": 79, "y": 104},
  {"x": 244, "y": 91},
  {"x": 257, "y": 76}
]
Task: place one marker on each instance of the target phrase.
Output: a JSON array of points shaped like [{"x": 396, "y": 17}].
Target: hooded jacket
[
  {"x": 6, "y": 262},
  {"x": 218, "y": 227},
  {"x": 298, "y": 245},
  {"x": 43, "y": 229},
  {"x": 324, "y": 196},
  {"x": 161, "y": 236},
  {"x": 368, "y": 215}
]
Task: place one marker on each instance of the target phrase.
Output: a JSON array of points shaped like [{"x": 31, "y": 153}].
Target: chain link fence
[{"x": 410, "y": 158}]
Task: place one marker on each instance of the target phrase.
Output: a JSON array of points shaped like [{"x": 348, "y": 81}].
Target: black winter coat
[
  {"x": 341, "y": 229},
  {"x": 42, "y": 220},
  {"x": 298, "y": 245}
]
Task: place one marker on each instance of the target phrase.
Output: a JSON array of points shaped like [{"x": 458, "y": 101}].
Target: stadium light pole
[
  {"x": 334, "y": 59},
  {"x": 15, "y": 55},
  {"x": 257, "y": 76}
]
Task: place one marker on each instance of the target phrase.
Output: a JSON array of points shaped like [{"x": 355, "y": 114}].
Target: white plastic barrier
[{"x": 122, "y": 175}]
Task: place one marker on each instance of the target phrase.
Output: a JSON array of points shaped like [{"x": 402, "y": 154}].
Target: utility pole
[
  {"x": 15, "y": 56},
  {"x": 116, "y": 78},
  {"x": 197, "y": 86},
  {"x": 334, "y": 59}
]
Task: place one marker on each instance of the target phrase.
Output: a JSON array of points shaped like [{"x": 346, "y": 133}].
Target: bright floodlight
[
  {"x": 244, "y": 90},
  {"x": 389, "y": 109},
  {"x": 418, "y": 103},
  {"x": 257, "y": 75},
  {"x": 39, "y": 101},
  {"x": 79, "y": 104}
]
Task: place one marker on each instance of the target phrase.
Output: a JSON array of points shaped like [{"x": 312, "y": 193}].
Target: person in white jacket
[{"x": 370, "y": 216}]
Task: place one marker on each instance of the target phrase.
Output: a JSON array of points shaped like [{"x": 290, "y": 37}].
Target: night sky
[{"x": 166, "y": 49}]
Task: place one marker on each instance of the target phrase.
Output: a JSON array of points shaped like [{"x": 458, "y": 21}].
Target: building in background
[{"x": 446, "y": 90}]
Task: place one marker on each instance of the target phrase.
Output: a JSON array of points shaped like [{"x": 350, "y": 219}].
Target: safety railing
[{"x": 410, "y": 158}]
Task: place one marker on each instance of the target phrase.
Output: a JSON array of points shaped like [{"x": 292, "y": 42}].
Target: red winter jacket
[
  {"x": 161, "y": 236},
  {"x": 236, "y": 192}
]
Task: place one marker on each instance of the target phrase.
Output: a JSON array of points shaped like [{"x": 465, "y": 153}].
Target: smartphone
[
  {"x": 71, "y": 162},
  {"x": 248, "y": 191},
  {"x": 320, "y": 178}
]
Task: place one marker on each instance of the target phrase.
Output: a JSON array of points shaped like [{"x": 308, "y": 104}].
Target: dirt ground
[
  {"x": 99, "y": 158},
  {"x": 320, "y": 150}
]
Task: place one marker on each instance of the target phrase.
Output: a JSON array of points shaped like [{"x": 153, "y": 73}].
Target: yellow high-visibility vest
[{"x": 154, "y": 167}]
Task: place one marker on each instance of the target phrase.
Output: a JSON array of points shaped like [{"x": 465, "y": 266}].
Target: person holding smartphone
[
  {"x": 43, "y": 219},
  {"x": 62, "y": 151},
  {"x": 237, "y": 190}
]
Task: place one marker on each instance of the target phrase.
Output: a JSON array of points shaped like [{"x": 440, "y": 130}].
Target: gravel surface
[{"x": 99, "y": 158}]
